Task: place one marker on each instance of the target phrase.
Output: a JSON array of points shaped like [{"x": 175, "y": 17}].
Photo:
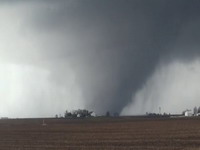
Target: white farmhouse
[
  {"x": 93, "y": 114},
  {"x": 187, "y": 113}
]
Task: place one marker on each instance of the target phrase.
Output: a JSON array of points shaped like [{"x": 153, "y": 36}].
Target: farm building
[{"x": 187, "y": 113}]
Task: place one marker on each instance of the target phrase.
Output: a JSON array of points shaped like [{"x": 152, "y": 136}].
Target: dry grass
[{"x": 100, "y": 134}]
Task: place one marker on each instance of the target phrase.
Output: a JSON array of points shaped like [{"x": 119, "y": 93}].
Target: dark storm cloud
[
  {"x": 117, "y": 44},
  {"x": 113, "y": 46}
]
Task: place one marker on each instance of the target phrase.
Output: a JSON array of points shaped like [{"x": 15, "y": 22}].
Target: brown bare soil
[{"x": 123, "y": 133}]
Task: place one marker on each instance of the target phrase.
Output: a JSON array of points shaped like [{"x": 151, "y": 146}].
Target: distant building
[
  {"x": 187, "y": 113},
  {"x": 93, "y": 114}
]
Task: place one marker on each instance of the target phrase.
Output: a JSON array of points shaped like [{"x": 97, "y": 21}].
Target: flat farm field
[{"x": 122, "y": 133}]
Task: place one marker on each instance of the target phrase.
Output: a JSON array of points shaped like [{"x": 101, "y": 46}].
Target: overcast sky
[{"x": 125, "y": 56}]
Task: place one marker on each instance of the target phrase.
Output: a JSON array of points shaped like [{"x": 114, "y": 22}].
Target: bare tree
[
  {"x": 107, "y": 114},
  {"x": 195, "y": 110},
  {"x": 198, "y": 110}
]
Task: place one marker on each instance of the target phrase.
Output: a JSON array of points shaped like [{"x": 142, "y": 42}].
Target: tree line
[{"x": 83, "y": 113}]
